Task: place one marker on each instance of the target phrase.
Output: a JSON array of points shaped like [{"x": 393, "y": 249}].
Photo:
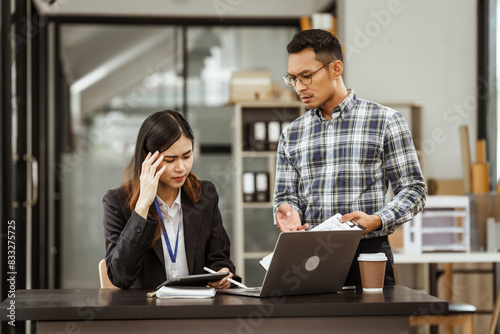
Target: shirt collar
[
  {"x": 343, "y": 108},
  {"x": 170, "y": 210}
]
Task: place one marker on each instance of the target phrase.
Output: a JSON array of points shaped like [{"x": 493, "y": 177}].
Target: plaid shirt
[{"x": 345, "y": 164}]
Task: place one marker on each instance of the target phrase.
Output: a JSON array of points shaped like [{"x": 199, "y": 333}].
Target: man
[{"x": 341, "y": 154}]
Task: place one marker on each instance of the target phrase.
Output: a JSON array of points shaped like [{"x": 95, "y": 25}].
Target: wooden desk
[
  {"x": 432, "y": 259},
  {"x": 450, "y": 258},
  {"x": 98, "y": 311}
]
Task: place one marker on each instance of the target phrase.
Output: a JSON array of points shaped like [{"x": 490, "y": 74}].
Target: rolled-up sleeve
[
  {"x": 404, "y": 172},
  {"x": 287, "y": 179}
]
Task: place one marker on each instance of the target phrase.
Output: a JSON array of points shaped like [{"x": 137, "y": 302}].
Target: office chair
[
  {"x": 103, "y": 276},
  {"x": 458, "y": 314}
]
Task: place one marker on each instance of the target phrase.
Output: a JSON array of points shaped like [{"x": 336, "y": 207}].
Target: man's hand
[
  {"x": 371, "y": 222},
  {"x": 288, "y": 219}
]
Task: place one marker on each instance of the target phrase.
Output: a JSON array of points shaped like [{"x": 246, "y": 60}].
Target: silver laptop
[{"x": 306, "y": 263}]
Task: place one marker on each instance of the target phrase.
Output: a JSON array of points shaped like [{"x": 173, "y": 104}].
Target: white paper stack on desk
[{"x": 185, "y": 292}]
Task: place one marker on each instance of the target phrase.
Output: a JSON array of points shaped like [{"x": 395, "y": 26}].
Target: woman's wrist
[{"x": 142, "y": 210}]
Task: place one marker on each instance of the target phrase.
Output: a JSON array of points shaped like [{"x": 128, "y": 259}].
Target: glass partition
[{"x": 118, "y": 75}]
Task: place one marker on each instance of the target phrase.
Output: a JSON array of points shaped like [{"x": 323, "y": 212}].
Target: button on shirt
[
  {"x": 171, "y": 216},
  {"x": 345, "y": 164}
]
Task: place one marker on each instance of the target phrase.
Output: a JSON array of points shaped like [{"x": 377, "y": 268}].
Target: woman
[{"x": 164, "y": 222}]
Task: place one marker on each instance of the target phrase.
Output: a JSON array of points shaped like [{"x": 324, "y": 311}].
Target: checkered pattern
[{"x": 344, "y": 165}]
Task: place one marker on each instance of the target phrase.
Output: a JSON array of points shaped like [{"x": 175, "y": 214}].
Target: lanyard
[{"x": 173, "y": 255}]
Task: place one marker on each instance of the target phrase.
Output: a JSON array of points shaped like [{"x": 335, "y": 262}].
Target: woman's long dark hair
[{"x": 157, "y": 133}]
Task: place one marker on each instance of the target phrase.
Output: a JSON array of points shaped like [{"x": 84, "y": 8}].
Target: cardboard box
[
  {"x": 446, "y": 187},
  {"x": 251, "y": 86},
  {"x": 396, "y": 240}
]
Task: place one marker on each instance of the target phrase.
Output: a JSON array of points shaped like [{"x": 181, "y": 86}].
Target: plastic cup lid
[{"x": 372, "y": 257}]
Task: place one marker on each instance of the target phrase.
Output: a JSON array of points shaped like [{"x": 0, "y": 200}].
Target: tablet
[{"x": 193, "y": 280}]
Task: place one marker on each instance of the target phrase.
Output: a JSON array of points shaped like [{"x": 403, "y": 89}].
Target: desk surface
[
  {"x": 447, "y": 257},
  {"x": 110, "y": 304}
]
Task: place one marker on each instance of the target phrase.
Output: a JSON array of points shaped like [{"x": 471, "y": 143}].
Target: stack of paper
[
  {"x": 331, "y": 224},
  {"x": 185, "y": 292}
]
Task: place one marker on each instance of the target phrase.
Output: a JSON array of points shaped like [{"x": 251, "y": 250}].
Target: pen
[{"x": 229, "y": 279}]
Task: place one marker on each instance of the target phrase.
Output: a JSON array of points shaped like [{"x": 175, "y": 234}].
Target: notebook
[
  {"x": 168, "y": 292},
  {"x": 307, "y": 263}
]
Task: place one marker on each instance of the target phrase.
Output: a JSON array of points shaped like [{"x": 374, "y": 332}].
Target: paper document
[
  {"x": 185, "y": 292},
  {"x": 331, "y": 224},
  {"x": 266, "y": 261}
]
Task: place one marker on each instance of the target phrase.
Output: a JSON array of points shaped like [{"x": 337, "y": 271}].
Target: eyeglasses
[{"x": 306, "y": 79}]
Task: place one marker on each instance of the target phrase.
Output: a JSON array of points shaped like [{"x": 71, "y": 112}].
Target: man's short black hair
[{"x": 325, "y": 45}]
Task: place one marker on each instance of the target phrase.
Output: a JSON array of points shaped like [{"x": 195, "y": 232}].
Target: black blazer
[{"x": 133, "y": 263}]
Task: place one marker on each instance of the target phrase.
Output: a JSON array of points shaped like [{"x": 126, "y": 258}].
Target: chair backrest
[{"x": 103, "y": 276}]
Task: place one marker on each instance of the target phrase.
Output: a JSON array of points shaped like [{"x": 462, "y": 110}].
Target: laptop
[{"x": 307, "y": 263}]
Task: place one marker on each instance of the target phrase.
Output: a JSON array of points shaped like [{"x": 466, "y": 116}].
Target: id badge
[{"x": 174, "y": 270}]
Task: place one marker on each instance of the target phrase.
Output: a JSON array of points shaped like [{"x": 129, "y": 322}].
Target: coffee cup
[{"x": 372, "y": 269}]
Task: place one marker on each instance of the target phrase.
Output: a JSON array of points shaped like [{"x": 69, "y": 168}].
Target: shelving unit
[
  {"x": 254, "y": 240},
  {"x": 443, "y": 225}
]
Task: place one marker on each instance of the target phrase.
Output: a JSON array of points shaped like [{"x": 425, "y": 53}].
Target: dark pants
[{"x": 374, "y": 245}]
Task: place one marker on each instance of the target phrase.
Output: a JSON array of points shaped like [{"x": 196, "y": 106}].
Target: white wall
[
  {"x": 417, "y": 51},
  {"x": 273, "y": 45}
]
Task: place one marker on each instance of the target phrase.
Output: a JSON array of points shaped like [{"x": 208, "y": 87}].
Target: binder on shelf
[
  {"x": 248, "y": 187},
  {"x": 247, "y": 137},
  {"x": 258, "y": 137},
  {"x": 262, "y": 187},
  {"x": 273, "y": 134}
]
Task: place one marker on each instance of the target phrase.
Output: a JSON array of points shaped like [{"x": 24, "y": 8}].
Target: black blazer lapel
[
  {"x": 192, "y": 219},
  {"x": 158, "y": 247}
]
